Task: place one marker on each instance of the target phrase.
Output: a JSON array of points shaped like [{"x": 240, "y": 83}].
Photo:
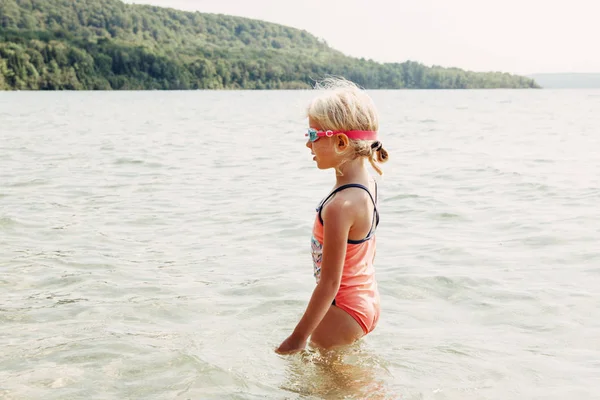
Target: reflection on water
[{"x": 349, "y": 373}]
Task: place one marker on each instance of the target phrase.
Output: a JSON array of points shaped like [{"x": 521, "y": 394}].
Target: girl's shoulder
[{"x": 351, "y": 200}]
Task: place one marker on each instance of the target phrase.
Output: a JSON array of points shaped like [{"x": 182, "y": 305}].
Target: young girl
[{"x": 342, "y": 136}]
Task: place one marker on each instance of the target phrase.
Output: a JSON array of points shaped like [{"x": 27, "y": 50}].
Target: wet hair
[{"x": 343, "y": 106}]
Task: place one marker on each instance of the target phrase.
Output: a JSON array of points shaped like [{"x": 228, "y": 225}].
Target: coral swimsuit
[{"x": 358, "y": 294}]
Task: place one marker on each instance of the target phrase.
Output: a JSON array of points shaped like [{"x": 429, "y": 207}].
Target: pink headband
[{"x": 357, "y": 135}]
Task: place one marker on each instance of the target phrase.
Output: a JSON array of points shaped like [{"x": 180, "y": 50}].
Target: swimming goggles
[{"x": 314, "y": 134}]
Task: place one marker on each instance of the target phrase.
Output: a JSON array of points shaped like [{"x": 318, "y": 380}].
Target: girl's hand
[{"x": 291, "y": 345}]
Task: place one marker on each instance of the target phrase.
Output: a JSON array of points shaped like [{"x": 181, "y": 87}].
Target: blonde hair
[{"x": 343, "y": 106}]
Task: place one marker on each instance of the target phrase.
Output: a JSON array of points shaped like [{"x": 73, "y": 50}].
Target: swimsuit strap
[{"x": 375, "y": 214}]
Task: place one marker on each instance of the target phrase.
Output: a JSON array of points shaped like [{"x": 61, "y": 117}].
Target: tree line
[{"x": 109, "y": 45}]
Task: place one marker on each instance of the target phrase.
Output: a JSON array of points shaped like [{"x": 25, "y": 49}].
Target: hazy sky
[{"x": 518, "y": 36}]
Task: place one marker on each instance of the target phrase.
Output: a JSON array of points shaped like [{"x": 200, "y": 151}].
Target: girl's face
[{"x": 326, "y": 150}]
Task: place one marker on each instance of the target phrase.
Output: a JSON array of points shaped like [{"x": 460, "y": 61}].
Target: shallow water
[{"x": 156, "y": 245}]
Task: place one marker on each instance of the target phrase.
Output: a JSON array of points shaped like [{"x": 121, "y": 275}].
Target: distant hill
[
  {"x": 107, "y": 44},
  {"x": 567, "y": 81}
]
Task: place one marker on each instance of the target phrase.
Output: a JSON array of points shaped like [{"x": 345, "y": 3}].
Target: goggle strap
[{"x": 355, "y": 135}]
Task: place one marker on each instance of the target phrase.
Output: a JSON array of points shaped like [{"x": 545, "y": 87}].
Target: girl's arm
[{"x": 338, "y": 217}]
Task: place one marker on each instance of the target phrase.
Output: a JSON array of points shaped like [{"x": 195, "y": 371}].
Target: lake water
[{"x": 156, "y": 245}]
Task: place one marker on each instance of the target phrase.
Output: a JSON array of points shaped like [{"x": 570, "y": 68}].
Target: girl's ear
[{"x": 342, "y": 142}]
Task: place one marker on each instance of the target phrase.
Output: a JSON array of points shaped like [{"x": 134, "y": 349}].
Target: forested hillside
[{"x": 107, "y": 44}]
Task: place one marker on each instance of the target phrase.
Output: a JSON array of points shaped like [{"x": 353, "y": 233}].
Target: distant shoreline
[{"x": 267, "y": 90}]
